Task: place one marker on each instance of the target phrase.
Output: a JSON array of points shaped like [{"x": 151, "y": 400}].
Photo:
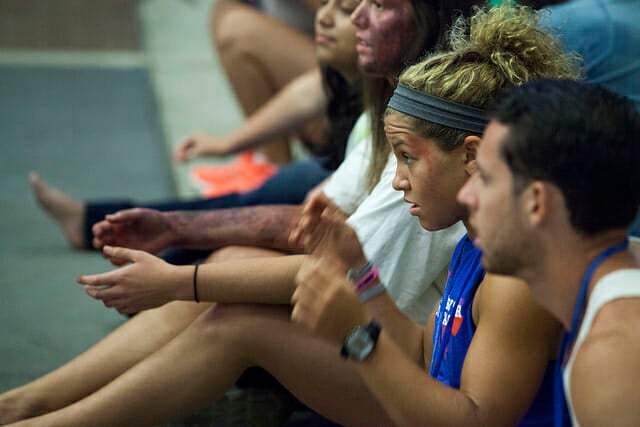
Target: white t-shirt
[
  {"x": 618, "y": 284},
  {"x": 412, "y": 261}
]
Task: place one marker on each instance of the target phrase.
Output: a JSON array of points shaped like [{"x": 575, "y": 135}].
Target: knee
[
  {"x": 235, "y": 28},
  {"x": 232, "y": 326}
]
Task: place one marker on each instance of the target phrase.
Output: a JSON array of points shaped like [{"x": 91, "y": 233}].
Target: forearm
[
  {"x": 407, "y": 335},
  {"x": 408, "y": 394},
  {"x": 260, "y": 226},
  {"x": 301, "y": 100},
  {"x": 257, "y": 280}
]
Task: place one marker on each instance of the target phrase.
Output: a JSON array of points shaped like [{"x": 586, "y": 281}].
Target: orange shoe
[
  {"x": 249, "y": 178},
  {"x": 214, "y": 174}
]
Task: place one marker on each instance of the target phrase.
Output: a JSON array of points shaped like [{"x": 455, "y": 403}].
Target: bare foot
[{"x": 68, "y": 212}]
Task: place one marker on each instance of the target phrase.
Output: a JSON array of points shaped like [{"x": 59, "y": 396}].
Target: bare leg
[
  {"x": 201, "y": 363},
  {"x": 65, "y": 210},
  {"x": 255, "y": 52},
  {"x": 119, "y": 351}
]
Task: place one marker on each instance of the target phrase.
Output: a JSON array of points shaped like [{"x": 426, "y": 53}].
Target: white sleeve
[
  {"x": 347, "y": 186},
  {"x": 412, "y": 262}
]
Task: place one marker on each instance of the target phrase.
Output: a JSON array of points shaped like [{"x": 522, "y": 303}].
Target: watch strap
[{"x": 372, "y": 329}]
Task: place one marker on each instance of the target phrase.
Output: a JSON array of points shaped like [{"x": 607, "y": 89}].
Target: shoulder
[
  {"x": 606, "y": 370},
  {"x": 498, "y": 292},
  {"x": 506, "y": 305}
]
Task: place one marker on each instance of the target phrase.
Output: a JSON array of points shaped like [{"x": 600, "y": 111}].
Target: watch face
[{"x": 359, "y": 344}]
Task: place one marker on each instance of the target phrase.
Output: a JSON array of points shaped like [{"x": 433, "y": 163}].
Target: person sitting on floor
[{"x": 213, "y": 349}]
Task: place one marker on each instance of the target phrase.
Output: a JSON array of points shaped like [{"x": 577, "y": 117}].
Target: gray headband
[{"x": 438, "y": 110}]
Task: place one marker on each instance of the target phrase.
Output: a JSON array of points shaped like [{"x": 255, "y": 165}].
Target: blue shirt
[
  {"x": 454, "y": 329},
  {"x": 606, "y": 34}
]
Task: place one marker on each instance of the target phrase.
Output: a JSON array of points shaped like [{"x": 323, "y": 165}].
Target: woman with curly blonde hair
[{"x": 513, "y": 339}]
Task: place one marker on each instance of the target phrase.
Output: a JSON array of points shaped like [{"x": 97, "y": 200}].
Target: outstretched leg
[
  {"x": 132, "y": 342},
  {"x": 201, "y": 363},
  {"x": 255, "y": 51},
  {"x": 119, "y": 351}
]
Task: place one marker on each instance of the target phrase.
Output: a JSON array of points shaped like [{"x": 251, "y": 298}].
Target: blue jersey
[{"x": 454, "y": 329}]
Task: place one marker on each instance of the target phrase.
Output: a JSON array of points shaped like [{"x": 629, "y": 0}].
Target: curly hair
[{"x": 497, "y": 49}]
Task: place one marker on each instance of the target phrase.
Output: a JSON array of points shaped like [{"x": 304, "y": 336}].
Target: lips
[
  {"x": 413, "y": 209},
  {"x": 363, "y": 41},
  {"x": 323, "y": 39}
]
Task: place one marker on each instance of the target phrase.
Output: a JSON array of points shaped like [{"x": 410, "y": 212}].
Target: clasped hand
[
  {"x": 324, "y": 300},
  {"x": 146, "y": 282},
  {"x": 137, "y": 228}
]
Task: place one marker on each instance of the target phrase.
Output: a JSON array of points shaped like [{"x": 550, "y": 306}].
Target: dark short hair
[{"x": 581, "y": 137}]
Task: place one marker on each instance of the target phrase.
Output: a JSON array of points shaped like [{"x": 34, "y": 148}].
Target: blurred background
[{"x": 93, "y": 94}]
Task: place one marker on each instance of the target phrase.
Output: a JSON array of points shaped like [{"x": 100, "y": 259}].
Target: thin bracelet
[
  {"x": 366, "y": 281},
  {"x": 356, "y": 274},
  {"x": 195, "y": 283}
]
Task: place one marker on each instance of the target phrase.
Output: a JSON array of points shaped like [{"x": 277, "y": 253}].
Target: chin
[
  {"x": 502, "y": 266},
  {"x": 369, "y": 67},
  {"x": 432, "y": 226}
]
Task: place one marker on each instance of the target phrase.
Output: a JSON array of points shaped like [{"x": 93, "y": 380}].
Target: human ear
[
  {"x": 470, "y": 148},
  {"x": 536, "y": 200}
]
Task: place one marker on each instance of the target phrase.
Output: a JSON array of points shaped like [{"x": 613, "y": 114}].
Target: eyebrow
[{"x": 395, "y": 144}]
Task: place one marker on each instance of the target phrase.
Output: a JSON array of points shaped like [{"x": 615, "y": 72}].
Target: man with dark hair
[{"x": 555, "y": 191}]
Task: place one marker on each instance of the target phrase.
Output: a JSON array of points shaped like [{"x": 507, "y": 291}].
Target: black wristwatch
[{"x": 361, "y": 341}]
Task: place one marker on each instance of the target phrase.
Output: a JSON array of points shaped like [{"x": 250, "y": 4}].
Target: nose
[
  {"x": 400, "y": 183},
  {"x": 358, "y": 15},
  {"x": 324, "y": 15}
]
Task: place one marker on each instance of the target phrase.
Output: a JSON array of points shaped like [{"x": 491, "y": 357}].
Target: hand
[
  {"x": 146, "y": 283},
  {"x": 323, "y": 231},
  {"x": 325, "y": 301},
  {"x": 138, "y": 228},
  {"x": 198, "y": 144}
]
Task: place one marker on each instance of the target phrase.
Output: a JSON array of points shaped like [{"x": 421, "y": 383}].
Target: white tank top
[{"x": 618, "y": 284}]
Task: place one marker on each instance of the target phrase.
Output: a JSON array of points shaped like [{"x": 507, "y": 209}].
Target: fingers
[
  {"x": 182, "y": 153},
  {"x": 126, "y": 216},
  {"x": 299, "y": 236},
  {"x": 103, "y": 280},
  {"x": 121, "y": 255},
  {"x": 316, "y": 204},
  {"x": 304, "y": 299},
  {"x": 111, "y": 298},
  {"x": 311, "y": 216}
]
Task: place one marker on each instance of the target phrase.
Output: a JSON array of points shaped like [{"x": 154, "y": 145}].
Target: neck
[{"x": 557, "y": 277}]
